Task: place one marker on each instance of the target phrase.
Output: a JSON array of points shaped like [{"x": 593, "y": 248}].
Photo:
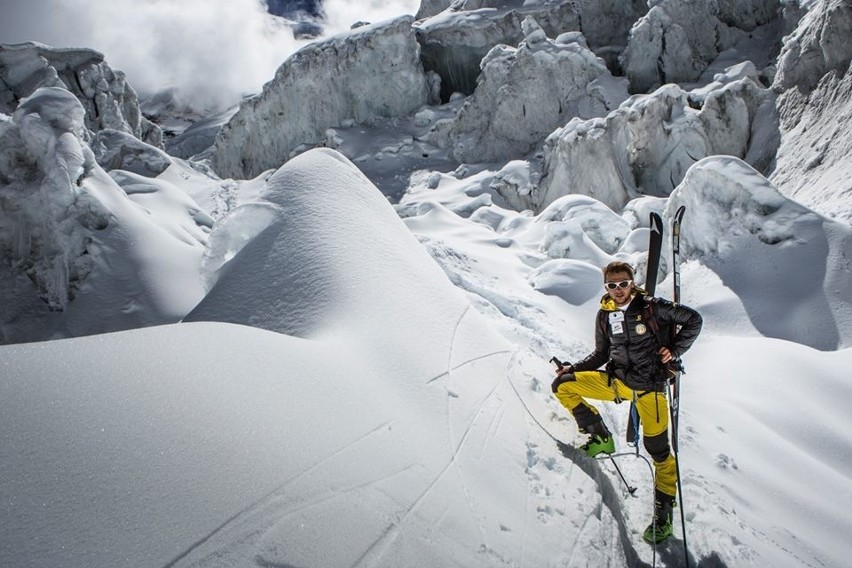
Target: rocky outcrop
[{"x": 371, "y": 72}]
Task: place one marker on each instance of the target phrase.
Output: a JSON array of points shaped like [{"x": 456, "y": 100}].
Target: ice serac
[
  {"x": 455, "y": 40},
  {"x": 78, "y": 256},
  {"x": 370, "y": 72},
  {"x": 814, "y": 82},
  {"x": 107, "y": 98},
  {"x": 646, "y": 146},
  {"x": 47, "y": 217},
  {"x": 743, "y": 217},
  {"x": 677, "y": 39},
  {"x": 524, "y": 94}
]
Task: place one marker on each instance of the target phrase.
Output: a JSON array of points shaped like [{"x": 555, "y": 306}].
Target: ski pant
[{"x": 653, "y": 411}]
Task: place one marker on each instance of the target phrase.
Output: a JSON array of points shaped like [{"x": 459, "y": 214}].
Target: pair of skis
[
  {"x": 655, "y": 249},
  {"x": 655, "y": 246}
]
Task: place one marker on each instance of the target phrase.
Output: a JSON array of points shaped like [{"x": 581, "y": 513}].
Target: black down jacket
[{"x": 626, "y": 342}]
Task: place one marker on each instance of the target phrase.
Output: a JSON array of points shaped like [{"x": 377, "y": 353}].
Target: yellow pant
[{"x": 653, "y": 413}]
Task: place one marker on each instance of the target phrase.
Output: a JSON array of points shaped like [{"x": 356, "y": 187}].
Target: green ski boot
[
  {"x": 661, "y": 525},
  {"x": 600, "y": 440}
]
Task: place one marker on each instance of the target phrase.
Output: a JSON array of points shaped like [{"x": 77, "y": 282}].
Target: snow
[{"x": 343, "y": 360}]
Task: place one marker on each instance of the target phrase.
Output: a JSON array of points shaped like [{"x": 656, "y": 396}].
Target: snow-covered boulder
[
  {"x": 455, "y": 41},
  {"x": 677, "y": 39},
  {"x": 646, "y": 146},
  {"x": 372, "y": 71},
  {"x": 524, "y": 94},
  {"x": 108, "y": 100}
]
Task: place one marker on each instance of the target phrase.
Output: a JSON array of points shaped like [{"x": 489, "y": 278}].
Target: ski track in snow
[{"x": 378, "y": 548}]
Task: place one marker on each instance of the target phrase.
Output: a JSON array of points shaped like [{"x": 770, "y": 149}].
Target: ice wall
[
  {"x": 524, "y": 94},
  {"x": 455, "y": 41},
  {"x": 815, "y": 106},
  {"x": 373, "y": 71},
  {"x": 678, "y": 39},
  {"x": 648, "y": 144},
  {"x": 107, "y": 99}
]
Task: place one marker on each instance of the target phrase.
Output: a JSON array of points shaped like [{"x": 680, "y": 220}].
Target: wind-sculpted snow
[
  {"x": 646, "y": 146},
  {"x": 371, "y": 72},
  {"x": 524, "y": 94},
  {"x": 737, "y": 216},
  {"x": 108, "y": 100}
]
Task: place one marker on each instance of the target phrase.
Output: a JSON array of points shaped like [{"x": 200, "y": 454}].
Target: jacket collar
[{"x": 608, "y": 304}]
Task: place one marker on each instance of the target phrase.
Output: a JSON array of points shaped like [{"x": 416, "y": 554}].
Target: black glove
[{"x": 566, "y": 375}]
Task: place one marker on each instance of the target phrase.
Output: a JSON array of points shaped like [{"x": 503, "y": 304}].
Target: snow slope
[{"x": 401, "y": 429}]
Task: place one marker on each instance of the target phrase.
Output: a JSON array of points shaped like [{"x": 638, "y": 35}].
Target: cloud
[
  {"x": 342, "y": 14},
  {"x": 211, "y": 52}
]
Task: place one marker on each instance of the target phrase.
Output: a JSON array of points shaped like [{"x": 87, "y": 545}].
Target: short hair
[{"x": 617, "y": 266}]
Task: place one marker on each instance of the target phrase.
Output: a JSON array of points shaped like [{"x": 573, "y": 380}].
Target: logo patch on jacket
[{"x": 641, "y": 329}]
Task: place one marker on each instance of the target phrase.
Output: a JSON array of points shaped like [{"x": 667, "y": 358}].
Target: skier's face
[{"x": 620, "y": 294}]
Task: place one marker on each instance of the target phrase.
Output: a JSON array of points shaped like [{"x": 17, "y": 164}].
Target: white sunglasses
[{"x": 614, "y": 285}]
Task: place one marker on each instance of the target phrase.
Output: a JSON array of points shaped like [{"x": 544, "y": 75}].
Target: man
[{"x": 637, "y": 338}]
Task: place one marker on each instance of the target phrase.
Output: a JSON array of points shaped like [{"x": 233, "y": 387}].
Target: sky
[{"x": 211, "y": 51}]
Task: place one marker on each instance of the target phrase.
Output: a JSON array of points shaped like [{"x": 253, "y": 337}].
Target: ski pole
[{"x": 676, "y": 394}]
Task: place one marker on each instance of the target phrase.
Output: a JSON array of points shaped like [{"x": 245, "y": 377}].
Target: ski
[
  {"x": 677, "y": 367},
  {"x": 655, "y": 247},
  {"x": 676, "y": 222},
  {"x": 674, "y": 384}
]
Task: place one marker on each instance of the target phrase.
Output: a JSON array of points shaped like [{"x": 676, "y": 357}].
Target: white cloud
[
  {"x": 343, "y": 13},
  {"x": 210, "y": 51}
]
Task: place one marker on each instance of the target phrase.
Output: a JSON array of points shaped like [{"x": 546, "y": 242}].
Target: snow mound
[
  {"x": 329, "y": 222},
  {"x": 760, "y": 243}
]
